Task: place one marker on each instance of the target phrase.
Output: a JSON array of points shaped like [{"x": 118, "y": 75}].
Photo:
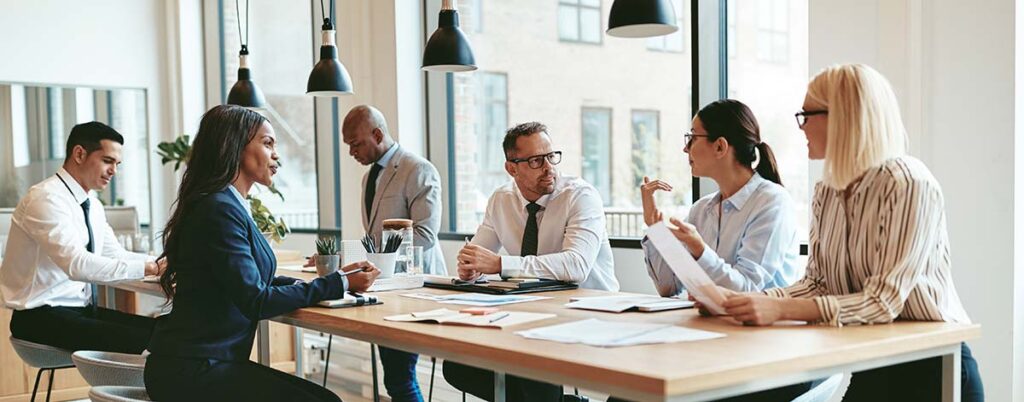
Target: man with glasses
[{"x": 551, "y": 226}]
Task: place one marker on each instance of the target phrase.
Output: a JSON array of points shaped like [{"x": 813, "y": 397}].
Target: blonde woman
[{"x": 879, "y": 250}]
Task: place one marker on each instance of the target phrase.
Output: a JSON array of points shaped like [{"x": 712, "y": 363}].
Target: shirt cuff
[
  {"x": 344, "y": 284},
  {"x": 136, "y": 269},
  {"x": 828, "y": 307},
  {"x": 511, "y": 266},
  {"x": 777, "y": 292},
  {"x": 708, "y": 258}
]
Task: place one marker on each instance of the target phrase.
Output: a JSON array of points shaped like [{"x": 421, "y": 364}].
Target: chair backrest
[
  {"x": 110, "y": 393},
  {"x": 110, "y": 368},
  {"x": 39, "y": 355},
  {"x": 124, "y": 220}
]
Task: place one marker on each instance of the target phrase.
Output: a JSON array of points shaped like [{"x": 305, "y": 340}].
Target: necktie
[
  {"x": 91, "y": 247},
  {"x": 530, "y": 234},
  {"x": 371, "y": 188}
]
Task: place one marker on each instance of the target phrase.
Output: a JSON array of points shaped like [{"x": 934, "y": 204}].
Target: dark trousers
[
  {"x": 480, "y": 383},
  {"x": 915, "y": 381},
  {"x": 178, "y": 379},
  {"x": 83, "y": 328},
  {"x": 400, "y": 375}
]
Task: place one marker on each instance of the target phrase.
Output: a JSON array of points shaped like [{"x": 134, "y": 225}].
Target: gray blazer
[{"x": 409, "y": 187}]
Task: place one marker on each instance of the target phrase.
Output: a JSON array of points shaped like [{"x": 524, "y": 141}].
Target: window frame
[
  {"x": 611, "y": 122},
  {"x": 578, "y": 6}
]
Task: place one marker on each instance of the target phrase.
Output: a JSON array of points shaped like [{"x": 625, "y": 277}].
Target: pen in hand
[{"x": 363, "y": 269}]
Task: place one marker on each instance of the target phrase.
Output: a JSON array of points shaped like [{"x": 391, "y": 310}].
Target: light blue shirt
[
  {"x": 755, "y": 247},
  {"x": 384, "y": 159},
  {"x": 241, "y": 200}
]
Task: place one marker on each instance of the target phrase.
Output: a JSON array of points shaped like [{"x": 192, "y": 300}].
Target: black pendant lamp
[
  {"x": 641, "y": 18},
  {"x": 448, "y": 49},
  {"x": 245, "y": 92},
  {"x": 329, "y": 77}
]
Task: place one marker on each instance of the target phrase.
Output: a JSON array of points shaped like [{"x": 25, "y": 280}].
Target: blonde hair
[{"x": 864, "y": 124}]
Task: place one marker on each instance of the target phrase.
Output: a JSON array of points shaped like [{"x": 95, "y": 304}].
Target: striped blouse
[{"x": 881, "y": 252}]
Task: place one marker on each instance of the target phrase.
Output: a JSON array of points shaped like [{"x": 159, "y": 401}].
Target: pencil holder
[{"x": 385, "y": 262}]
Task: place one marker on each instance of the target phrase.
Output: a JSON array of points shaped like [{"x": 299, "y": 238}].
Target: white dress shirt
[
  {"x": 571, "y": 244},
  {"x": 47, "y": 262}
]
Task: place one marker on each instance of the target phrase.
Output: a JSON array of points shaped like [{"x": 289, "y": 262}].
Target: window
[
  {"x": 280, "y": 66},
  {"x": 730, "y": 36},
  {"x": 645, "y": 147},
  {"x": 673, "y": 42},
  {"x": 579, "y": 20},
  {"x": 583, "y": 95},
  {"x": 597, "y": 150},
  {"x": 773, "y": 31},
  {"x": 775, "y": 91}
]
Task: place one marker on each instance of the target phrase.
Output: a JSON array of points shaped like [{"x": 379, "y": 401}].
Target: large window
[
  {"x": 774, "y": 86},
  {"x": 597, "y": 150},
  {"x": 579, "y": 20},
  {"x": 593, "y": 99},
  {"x": 673, "y": 42},
  {"x": 281, "y": 50}
]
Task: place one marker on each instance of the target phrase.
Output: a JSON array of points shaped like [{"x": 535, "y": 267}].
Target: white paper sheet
[
  {"x": 603, "y": 333},
  {"x": 501, "y": 319},
  {"x": 696, "y": 281},
  {"x": 475, "y": 299},
  {"x": 618, "y": 304}
]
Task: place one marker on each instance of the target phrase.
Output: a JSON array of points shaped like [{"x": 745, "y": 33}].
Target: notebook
[
  {"x": 502, "y": 288},
  {"x": 620, "y": 303},
  {"x": 500, "y": 319}
]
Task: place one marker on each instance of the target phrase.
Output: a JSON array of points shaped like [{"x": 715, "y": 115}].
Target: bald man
[{"x": 398, "y": 185}]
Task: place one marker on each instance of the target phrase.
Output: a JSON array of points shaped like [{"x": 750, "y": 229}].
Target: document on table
[
  {"x": 686, "y": 269},
  {"x": 618, "y": 304},
  {"x": 500, "y": 319},
  {"x": 595, "y": 332},
  {"x": 475, "y": 299}
]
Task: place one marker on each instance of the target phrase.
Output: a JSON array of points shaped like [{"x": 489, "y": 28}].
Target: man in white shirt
[
  {"x": 60, "y": 242},
  {"x": 551, "y": 226}
]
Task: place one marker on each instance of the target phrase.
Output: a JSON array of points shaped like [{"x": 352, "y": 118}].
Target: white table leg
[
  {"x": 263, "y": 343},
  {"x": 299, "y": 353},
  {"x": 499, "y": 387},
  {"x": 951, "y": 376}
]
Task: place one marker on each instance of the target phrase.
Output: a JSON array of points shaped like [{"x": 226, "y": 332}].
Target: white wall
[
  {"x": 110, "y": 43},
  {"x": 952, "y": 66}
]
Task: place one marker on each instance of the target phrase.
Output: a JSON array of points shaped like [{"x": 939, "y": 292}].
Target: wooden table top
[{"x": 645, "y": 371}]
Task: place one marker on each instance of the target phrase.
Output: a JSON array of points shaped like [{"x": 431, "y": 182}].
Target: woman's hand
[
  {"x": 360, "y": 281},
  {"x": 755, "y": 309},
  {"x": 687, "y": 234},
  {"x": 726, "y": 293},
  {"x": 651, "y": 213}
]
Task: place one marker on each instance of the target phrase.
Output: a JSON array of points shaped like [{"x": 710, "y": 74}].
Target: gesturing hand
[{"x": 651, "y": 213}]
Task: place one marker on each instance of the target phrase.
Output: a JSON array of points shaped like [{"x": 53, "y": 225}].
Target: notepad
[
  {"x": 501, "y": 319},
  {"x": 618, "y": 304},
  {"x": 603, "y": 333},
  {"x": 475, "y": 299}
]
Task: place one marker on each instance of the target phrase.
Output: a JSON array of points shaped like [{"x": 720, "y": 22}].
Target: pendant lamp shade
[
  {"x": 329, "y": 77},
  {"x": 245, "y": 92},
  {"x": 448, "y": 49},
  {"x": 641, "y": 18}
]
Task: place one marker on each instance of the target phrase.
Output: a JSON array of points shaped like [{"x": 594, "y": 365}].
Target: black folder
[{"x": 543, "y": 285}]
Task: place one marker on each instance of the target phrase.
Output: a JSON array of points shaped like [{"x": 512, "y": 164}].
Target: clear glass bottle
[{"x": 401, "y": 227}]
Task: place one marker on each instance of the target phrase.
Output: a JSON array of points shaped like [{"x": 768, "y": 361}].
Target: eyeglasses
[
  {"x": 690, "y": 135},
  {"x": 536, "y": 161},
  {"x": 801, "y": 116}
]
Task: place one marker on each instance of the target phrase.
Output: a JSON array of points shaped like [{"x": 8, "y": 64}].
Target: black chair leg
[
  {"x": 327, "y": 363},
  {"x": 433, "y": 365},
  {"x": 49, "y": 386},
  {"x": 373, "y": 363},
  {"x": 36, "y": 387}
]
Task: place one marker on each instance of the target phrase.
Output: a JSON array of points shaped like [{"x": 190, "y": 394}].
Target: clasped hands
[{"x": 748, "y": 308}]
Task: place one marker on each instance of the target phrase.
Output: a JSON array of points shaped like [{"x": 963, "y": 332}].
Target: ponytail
[{"x": 766, "y": 166}]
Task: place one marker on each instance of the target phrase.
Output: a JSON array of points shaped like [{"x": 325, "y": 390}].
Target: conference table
[{"x": 747, "y": 359}]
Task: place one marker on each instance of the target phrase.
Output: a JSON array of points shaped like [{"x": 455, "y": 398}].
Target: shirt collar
[
  {"x": 241, "y": 200},
  {"x": 543, "y": 200},
  {"x": 76, "y": 189},
  {"x": 739, "y": 199},
  {"x": 384, "y": 159}
]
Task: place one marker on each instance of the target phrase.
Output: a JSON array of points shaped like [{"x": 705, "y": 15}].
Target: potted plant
[
  {"x": 326, "y": 257},
  {"x": 274, "y": 229}
]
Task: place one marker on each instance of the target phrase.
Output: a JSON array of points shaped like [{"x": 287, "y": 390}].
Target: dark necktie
[
  {"x": 371, "y": 188},
  {"x": 530, "y": 234},
  {"x": 88, "y": 226}
]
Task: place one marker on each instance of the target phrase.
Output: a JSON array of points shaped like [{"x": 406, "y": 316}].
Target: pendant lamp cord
[
  {"x": 238, "y": 14},
  {"x": 327, "y": 18}
]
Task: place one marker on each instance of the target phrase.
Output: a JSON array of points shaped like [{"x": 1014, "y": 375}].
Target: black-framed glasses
[
  {"x": 801, "y": 116},
  {"x": 536, "y": 161},
  {"x": 690, "y": 135}
]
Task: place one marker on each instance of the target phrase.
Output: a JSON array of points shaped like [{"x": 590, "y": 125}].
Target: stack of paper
[
  {"x": 618, "y": 304},
  {"x": 596, "y": 332},
  {"x": 397, "y": 282},
  {"x": 475, "y": 299},
  {"x": 494, "y": 320}
]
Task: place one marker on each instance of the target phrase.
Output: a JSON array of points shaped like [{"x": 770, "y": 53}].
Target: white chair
[
  {"x": 831, "y": 389},
  {"x": 124, "y": 220},
  {"x": 110, "y": 368},
  {"x": 43, "y": 357}
]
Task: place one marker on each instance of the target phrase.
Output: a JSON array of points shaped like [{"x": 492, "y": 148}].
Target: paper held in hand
[{"x": 686, "y": 269}]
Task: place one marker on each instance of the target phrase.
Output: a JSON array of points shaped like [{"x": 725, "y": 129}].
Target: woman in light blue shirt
[{"x": 744, "y": 235}]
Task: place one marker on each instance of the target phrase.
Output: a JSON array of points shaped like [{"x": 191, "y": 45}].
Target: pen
[
  {"x": 498, "y": 318},
  {"x": 347, "y": 273}
]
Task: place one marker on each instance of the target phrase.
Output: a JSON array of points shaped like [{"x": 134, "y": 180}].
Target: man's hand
[
  {"x": 475, "y": 261},
  {"x": 359, "y": 282},
  {"x": 155, "y": 267},
  {"x": 651, "y": 213},
  {"x": 687, "y": 234}
]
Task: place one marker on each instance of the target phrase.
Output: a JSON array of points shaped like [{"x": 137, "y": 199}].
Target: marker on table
[{"x": 500, "y": 316}]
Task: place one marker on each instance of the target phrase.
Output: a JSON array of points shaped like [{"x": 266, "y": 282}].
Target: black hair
[
  {"x": 520, "y": 130},
  {"x": 88, "y": 136},
  {"x": 734, "y": 121}
]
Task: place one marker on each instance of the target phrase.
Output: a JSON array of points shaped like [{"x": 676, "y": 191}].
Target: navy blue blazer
[{"x": 226, "y": 284}]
